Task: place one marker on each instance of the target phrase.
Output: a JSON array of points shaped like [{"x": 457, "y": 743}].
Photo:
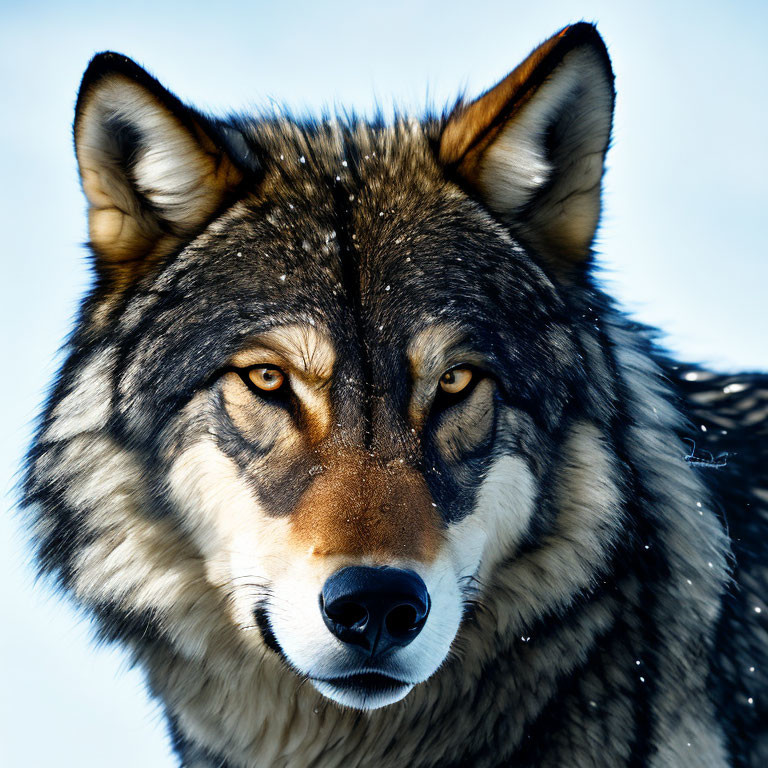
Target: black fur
[{"x": 360, "y": 227}]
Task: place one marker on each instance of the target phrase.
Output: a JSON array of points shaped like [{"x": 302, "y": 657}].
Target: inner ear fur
[
  {"x": 151, "y": 168},
  {"x": 533, "y": 147}
]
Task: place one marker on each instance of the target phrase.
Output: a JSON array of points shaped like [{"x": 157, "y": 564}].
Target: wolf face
[{"x": 329, "y": 376}]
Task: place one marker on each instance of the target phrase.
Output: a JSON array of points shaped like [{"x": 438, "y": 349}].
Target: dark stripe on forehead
[{"x": 352, "y": 283}]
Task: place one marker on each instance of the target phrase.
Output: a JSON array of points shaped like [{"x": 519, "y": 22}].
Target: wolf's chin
[{"x": 358, "y": 693}]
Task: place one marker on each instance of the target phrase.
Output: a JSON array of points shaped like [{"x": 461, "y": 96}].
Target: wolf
[{"x": 355, "y": 457}]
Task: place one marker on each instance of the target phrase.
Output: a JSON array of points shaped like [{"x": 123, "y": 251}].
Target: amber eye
[
  {"x": 266, "y": 378},
  {"x": 455, "y": 380}
]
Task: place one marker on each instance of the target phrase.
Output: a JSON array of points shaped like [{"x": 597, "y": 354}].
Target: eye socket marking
[
  {"x": 266, "y": 378},
  {"x": 456, "y": 380}
]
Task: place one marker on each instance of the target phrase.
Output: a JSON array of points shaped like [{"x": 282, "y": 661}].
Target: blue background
[{"x": 682, "y": 242}]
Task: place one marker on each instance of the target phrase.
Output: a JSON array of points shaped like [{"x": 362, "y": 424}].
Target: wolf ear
[
  {"x": 533, "y": 147},
  {"x": 151, "y": 168}
]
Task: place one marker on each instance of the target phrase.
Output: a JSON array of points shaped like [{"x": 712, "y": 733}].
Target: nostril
[
  {"x": 402, "y": 620},
  {"x": 347, "y": 614},
  {"x": 376, "y": 608}
]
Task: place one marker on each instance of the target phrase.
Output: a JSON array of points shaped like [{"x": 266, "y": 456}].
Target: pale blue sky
[{"x": 682, "y": 241}]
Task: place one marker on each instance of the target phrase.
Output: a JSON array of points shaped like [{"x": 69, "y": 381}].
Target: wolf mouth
[
  {"x": 363, "y": 690},
  {"x": 369, "y": 682}
]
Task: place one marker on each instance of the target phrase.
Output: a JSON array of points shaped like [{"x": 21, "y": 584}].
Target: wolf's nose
[{"x": 375, "y": 609}]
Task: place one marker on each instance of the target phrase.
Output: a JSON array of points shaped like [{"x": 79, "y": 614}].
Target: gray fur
[{"x": 599, "y": 637}]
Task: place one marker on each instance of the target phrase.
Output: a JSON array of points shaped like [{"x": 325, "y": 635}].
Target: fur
[{"x": 596, "y": 578}]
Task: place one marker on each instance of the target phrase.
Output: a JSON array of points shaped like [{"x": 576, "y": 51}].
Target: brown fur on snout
[{"x": 361, "y": 507}]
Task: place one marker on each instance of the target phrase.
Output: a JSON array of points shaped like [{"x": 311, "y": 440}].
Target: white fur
[
  {"x": 87, "y": 404},
  {"x": 516, "y": 167},
  {"x": 499, "y": 521},
  {"x": 170, "y": 169}
]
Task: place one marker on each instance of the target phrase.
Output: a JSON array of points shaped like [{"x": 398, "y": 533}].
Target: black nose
[{"x": 375, "y": 609}]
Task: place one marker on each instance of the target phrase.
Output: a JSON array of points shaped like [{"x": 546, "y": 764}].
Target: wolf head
[{"x": 324, "y": 373}]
